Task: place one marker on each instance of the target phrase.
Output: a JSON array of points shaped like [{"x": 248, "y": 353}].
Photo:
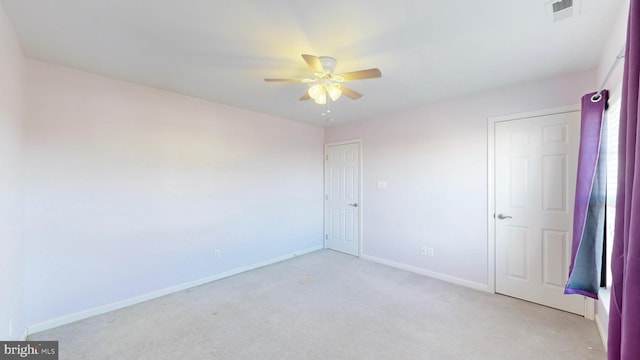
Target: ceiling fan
[{"x": 326, "y": 83}]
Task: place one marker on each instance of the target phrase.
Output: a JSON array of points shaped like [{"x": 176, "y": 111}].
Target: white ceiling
[{"x": 222, "y": 50}]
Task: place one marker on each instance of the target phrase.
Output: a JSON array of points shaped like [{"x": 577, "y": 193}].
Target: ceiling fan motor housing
[{"x": 328, "y": 64}]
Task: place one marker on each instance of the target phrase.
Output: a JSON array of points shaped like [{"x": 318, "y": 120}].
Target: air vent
[
  {"x": 562, "y": 9},
  {"x": 561, "y": 5}
]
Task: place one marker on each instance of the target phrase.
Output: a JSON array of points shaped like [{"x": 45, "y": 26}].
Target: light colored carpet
[{"x": 328, "y": 305}]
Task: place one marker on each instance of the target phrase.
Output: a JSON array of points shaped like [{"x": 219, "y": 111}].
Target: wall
[
  {"x": 434, "y": 160},
  {"x": 12, "y": 308},
  {"x": 615, "y": 43},
  {"x": 130, "y": 190}
]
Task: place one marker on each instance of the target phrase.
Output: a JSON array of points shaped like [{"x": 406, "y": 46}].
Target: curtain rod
[{"x": 596, "y": 97}]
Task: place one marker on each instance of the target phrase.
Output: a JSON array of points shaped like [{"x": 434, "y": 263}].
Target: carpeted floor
[{"x": 328, "y": 305}]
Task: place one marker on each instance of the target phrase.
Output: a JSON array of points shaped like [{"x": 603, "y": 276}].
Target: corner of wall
[{"x": 12, "y": 262}]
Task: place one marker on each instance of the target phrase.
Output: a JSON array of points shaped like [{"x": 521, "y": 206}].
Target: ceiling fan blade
[
  {"x": 305, "y": 97},
  {"x": 286, "y": 80},
  {"x": 350, "y": 92},
  {"x": 361, "y": 74},
  {"x": 314, "y": 63}
]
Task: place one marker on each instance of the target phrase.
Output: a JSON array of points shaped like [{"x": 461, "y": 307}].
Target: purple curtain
[
  {"x": 590, "y": 202},
  {"x": 624, "y": 316}
]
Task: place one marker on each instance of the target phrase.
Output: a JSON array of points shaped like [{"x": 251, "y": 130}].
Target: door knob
[
  {"x": 354, "y": 204},
  {"x": 503, "y": 216}
]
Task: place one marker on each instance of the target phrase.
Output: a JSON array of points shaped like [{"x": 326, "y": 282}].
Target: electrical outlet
[
  {"x": 430, "y": 251},
  {"x": 216, "y": 254},
  {"x": 423, "y": 250}
]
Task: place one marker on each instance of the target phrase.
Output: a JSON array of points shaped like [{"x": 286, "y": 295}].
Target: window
[{"x": 612, "y": 123}]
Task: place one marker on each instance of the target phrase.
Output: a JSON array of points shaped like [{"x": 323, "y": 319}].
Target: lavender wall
[
  {"x": 130, "y": 190},
  {"x": 12, "y": 308},
  {"x": 614, "y": 44},
  {"x": 434, "y": 160}
]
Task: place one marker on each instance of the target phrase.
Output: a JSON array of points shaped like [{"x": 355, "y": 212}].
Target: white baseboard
[
  {"x": 414, "y": 269},
  {"x": 67, "y": 319}
]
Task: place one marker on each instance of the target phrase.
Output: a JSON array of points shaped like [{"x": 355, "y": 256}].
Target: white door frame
[
  {"x": 360, "y": 201},
  {"x": 491, "y": 221}
]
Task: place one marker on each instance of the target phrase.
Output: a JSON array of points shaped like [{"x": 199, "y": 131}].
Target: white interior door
[
  {"x": 342, "y": 198},
  {"x": 535, "y": 176}
]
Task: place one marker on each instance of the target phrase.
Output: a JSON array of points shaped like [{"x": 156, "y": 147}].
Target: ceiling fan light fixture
[
  {"x": 318, "y": 94},
  {"x": 334, "y": 91},
  {"x": 322, "y": 99}
]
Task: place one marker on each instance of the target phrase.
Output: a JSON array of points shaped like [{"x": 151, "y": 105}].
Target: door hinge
[
  {"x": 326, "y": 157},
  {"x": 326, "y": 197},
  {"x": 326, "y": 236}
]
